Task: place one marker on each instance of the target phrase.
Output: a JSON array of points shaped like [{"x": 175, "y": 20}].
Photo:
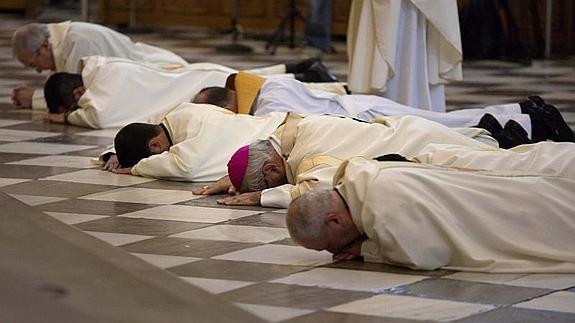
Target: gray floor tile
[
  {"x": 235, "y": 270},
  {"x": 520, "y": 315},
  {"x": 93, "y": 207},
  {"x": 360, "y": 265},
  {"x": 21, "y": 171},
  {"x": 292, "y": 296},
  {"x": 186, "y": 247},
  {"x": 55, "y": 188},
  {"x": 138, "y": 226},
  {"x": 470, "y": 292},
  {"x": 333, "y": 317}
]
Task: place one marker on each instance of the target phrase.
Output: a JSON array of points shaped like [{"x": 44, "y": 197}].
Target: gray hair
[
  {"x": 260, "y": 153},
  {"x": 29, "y": 38},
  {"x": 306, "y": 216}
]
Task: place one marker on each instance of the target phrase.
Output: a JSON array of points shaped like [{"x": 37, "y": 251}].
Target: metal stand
[
  {"x": 293, "y": 13},
  {"x": 234, "y": 47}
]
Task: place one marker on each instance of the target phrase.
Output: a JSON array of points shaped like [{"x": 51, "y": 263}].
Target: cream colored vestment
[
  {"x": 555, "y": 158},
  {"x": 71, "y": 41},
  {"x": 404, "y": 49},
  {"x": 204, "y": 138},
  {"x": 325, "y": 141},
  {"x": 424, "y": 217},
  {"x": 120, "y": 91}
]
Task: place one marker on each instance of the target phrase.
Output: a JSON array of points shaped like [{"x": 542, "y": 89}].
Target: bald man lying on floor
[{"x": 425, "y": 217}]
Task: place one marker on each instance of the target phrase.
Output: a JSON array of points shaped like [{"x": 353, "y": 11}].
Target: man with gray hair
[
  {"x": 59, "y": 47},
  {"x": 387, "y": 213},
  {"x": 302, "y": 157},
  {"x": 301, "y": 153}
]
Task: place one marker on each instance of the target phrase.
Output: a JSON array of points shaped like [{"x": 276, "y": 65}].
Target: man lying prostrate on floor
[
  {"x": 191, "y": 143},
  {"x": 425, "y": 217},
  {"x": 260, "y": 167},
  {"x": 112, "y": 92},
  {"x": 292, "y": 161},
  {"x": 311, "y": 146},
  {"x": 59, "y": 47},
  {"x": 257, "y": 96}
]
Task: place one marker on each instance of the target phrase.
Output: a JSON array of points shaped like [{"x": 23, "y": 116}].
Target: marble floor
[{"x": 243, "y": 256}]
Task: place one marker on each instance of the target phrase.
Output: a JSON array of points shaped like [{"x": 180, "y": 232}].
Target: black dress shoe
[
  {"x": 556, "y": 127},
  {"x": 537, "y": 100},
  {"x": 489, "y": 123},
  {"x": 534, "y": 107},
  {"x": 515, "y": 134},
  {"x": 318, "y": 72}
]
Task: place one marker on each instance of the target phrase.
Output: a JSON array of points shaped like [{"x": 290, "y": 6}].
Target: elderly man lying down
[
  {"x": 59, "y": 47},
  {"x": 302, "y": 155},
  {"x": 426, "y": 217}
]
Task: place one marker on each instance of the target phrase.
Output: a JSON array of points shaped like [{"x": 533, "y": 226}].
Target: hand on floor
[
  {"x": 251, "y": 198},
  {"x": 224, "y": 185},
  {"x": 22, "y": 96},
  {"x": 111, "y": 164}
]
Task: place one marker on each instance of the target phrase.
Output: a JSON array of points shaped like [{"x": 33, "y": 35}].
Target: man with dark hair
[
  {"x": 191, "y": 143},
  {"x": 218, "y": 96},
  {"x": 62, "y": 92},
  {"x": 110, "y": 83},
  {"x": 137, "y": 141},
  {"x": 540, "y": 120}
]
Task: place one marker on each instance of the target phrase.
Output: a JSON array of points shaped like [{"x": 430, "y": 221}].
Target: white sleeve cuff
[{"x": 279, "y": 197}]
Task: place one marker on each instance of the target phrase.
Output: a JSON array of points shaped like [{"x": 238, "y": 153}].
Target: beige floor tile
[
  {"x": 143, "y": 195},
  {"x": 74, "y": 218},
  {"x": 190, "y": 213},
  {"x": 274, "y": 313},
  {"x": 349, "y": 279},
  {"x": 216, "y": 286},
  {"x": 237, "y": 233},
  {"x": 117, "y": 239},
  {"x": 165, "y": 261},
  {"x": 40, "y": 148},
  {"x": 558, "y": 301},
  {"x": 412, "y": 308},
  {"x": 33, "y": 200},
  {"x": 96, "y": 176},
  {"x": 281, "y": 255},
  {"x": 59, "y": 161}
]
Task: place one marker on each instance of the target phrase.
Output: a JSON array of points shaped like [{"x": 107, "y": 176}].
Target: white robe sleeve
[
  {"x": 38, "y": 100},
  {"x": 84, "y": 117},
  {"x": 167, "y": 165},
  {"x": 279, "y": 196}
]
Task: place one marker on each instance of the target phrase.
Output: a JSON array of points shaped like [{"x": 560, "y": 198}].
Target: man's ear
[
  {"x": 46, "y": 44},
  {"x": 154, "y": 144},
  {"x": 78, "y": 92},
  {"x": 270, "y": 168},
  {"x": 333, "y": 218}
]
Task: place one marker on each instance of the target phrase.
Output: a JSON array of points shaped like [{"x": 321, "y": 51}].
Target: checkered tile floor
[{"x": 244, "y": 254}]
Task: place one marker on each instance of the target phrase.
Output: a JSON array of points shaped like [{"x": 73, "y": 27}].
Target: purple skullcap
[{"x": 237, "y": 166}]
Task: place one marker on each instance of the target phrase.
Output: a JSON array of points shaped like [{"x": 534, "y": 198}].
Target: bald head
[
  {"x": 219, "y": 96},
  {"x": 320, "y": 220},
  {"x": 31, "y": 46}
]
